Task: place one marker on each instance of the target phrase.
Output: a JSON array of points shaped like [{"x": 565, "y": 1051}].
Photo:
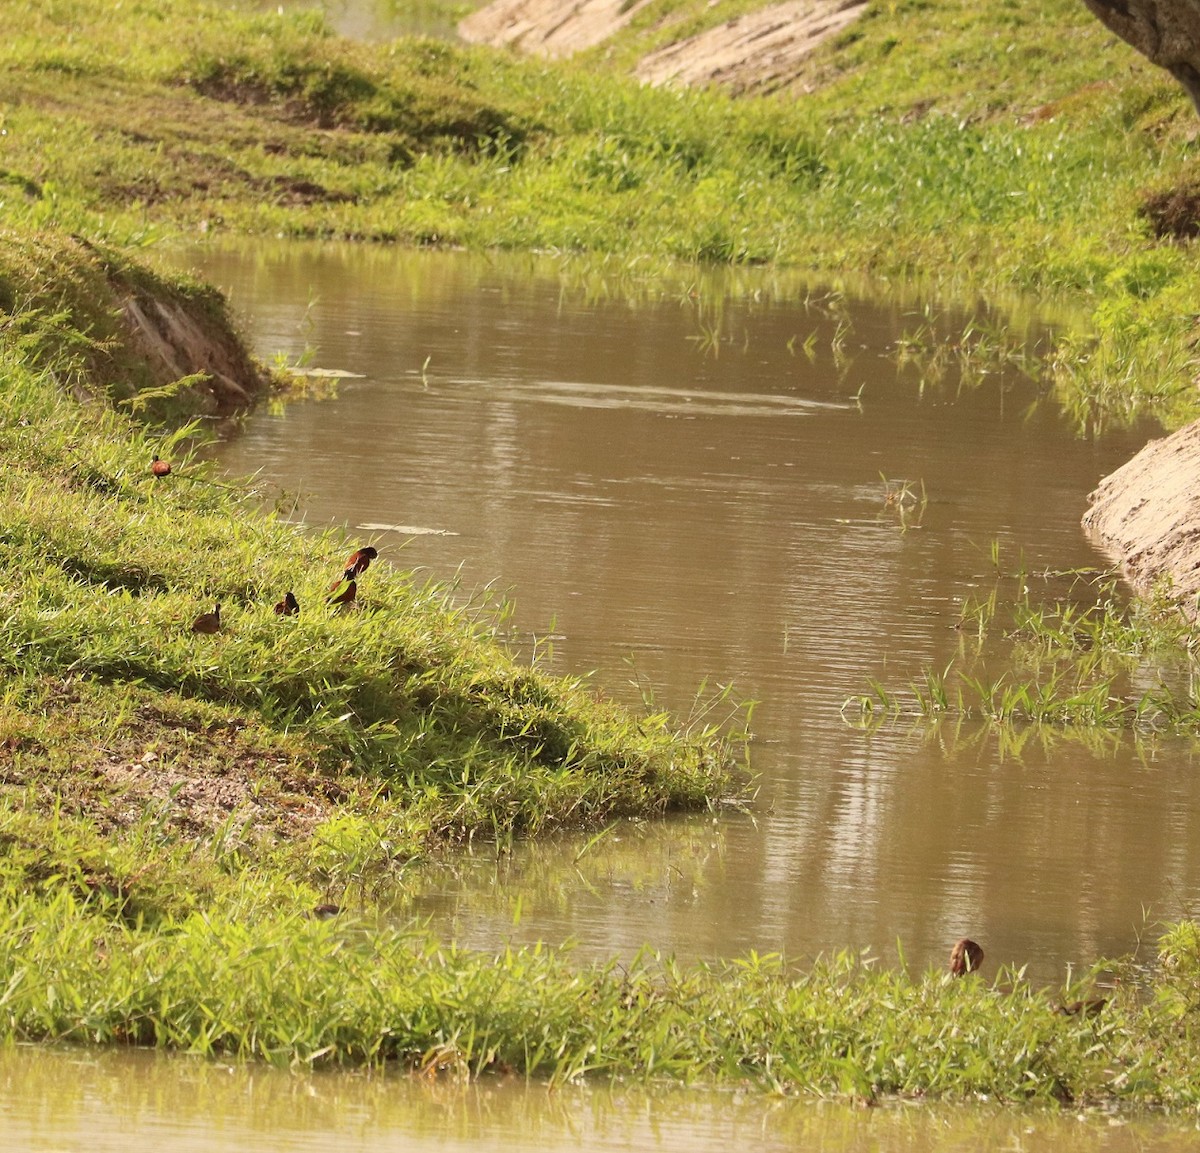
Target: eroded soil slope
[
  {"x": 1146, "y": 516},
  {"x": 755, "y": 52}
]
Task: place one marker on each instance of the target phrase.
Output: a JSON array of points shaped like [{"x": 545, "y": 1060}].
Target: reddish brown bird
[
  {"x": 208, "y": 622},
  {"x": 1089, "y": 1008},
  {"x": 346, "y": 596},
  {"x": 358, "y": 562},
  {"x": 324, "y": 912},
  {"x": 160, "y": 467},
  {"x": 289, "y": 606},
  {"x": 965, "y": 957}
]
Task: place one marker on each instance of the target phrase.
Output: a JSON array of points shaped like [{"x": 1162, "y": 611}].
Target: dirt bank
[
  {"x": 145, "y": 331},
  {"x": 756, "y": 52},
  {"x": 1146, "y": 516}
]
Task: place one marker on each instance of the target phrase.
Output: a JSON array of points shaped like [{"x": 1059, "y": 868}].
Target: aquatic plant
[{"x": 1092, "y": 659}]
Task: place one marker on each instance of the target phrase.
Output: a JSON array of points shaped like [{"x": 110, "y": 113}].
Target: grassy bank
[
  {"x": 147, "y": 761},
  {"x": 294, "y": 990},
  {"x": 1060, "y": 166}
]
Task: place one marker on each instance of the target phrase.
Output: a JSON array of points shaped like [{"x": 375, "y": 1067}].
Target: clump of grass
[
  {"x": 1090, "y": 660},
  {"x": 111, "y": 330}
]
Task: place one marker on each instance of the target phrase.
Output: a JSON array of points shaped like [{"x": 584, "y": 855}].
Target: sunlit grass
[
  {"x": 347, "y": 991},
  {"x": 1025, "y": 174}
]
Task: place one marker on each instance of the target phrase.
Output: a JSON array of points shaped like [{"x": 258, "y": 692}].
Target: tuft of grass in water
[{"x": 1089, "y": 660}]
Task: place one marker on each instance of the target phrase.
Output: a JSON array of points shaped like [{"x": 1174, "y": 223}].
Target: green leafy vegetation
[
  {"x": 291, "y": 989},
  {"x": 910, "y": 147},
  {"x": 1091, "y": 659}
]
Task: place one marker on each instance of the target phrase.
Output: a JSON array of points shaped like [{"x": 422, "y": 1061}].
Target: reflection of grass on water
[{"x": 1088, "y": 661}]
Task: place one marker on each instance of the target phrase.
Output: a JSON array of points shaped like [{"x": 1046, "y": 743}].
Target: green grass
[
  {"x": 253, "y": 984},
  {"x": 924, "y": 152},
  {"x": 1091, "y": 659}
]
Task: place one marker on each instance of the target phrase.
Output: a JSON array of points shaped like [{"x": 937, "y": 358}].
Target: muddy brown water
[
  {"x": 672, "y": 493},
  {"x": 67, "y": 1101}
]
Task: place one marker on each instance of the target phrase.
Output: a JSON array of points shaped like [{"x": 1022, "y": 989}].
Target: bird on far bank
[
  {"x": 160, "y": 467},
  {"x": 345, "y": 597},
  {"x": 1091, "y": 1007},
  {"x": 208, "y": 622},
  {"x": 289, "y": 606}
]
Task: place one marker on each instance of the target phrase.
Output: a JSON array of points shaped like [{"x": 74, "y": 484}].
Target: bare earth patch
[
  {"x": 195, "y": 768},
  {"x": 757, "y": 51},
  {"x": 547, "y": 27},
  {"x": 1146, "y": 516}
]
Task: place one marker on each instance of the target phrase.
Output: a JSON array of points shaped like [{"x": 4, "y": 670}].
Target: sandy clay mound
[
  {"x": 758, "y": 51},
  {"x": 1146, "y": 516}
]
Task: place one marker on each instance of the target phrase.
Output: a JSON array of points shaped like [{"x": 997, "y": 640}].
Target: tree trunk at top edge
[{"x": 1166, "y": 32}]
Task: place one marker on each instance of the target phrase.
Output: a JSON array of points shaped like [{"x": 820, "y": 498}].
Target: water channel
[{"x": 672, "y": 492}]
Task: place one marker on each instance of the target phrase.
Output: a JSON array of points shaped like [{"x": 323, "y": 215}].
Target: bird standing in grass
[
  {"x": 289, "y": 606},
  {"x": 160, "y": 467},
  {"x": 345, "y": 596},
  {"x": 357, "y": 563},
  {"x": 208, "y": 622}
]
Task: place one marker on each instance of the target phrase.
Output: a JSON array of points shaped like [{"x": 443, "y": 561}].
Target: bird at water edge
[
  {"x": 208, "y": 622},
  {"x": 160, "y": 467},
  {"x": 965, "y": 957}
]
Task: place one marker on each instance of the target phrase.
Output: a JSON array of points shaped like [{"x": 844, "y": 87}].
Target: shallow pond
[{"x": 671, "y": 491}]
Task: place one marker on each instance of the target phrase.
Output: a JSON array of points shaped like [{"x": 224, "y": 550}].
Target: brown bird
[
  {"x": 357, "y": 563},
  {"x": 346, "y": 596},
  {"x": 208, "y": 622},
  {"x": 289, "y": 606},
  {"x": 160, "y": 467},
  {"x": 1089, "y": 1008},
  {"x": 965, "y": 957}
]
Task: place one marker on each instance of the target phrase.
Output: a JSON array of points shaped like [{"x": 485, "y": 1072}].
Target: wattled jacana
[
  {"x": 345, "y": 597},
  {"x": 965, "y": 957},
  {"x": 289, "y": 606},
  {"x": 160, "y": 467},
  {"x": 358, "y": 562},
  {"x": 208, "y": 622}
]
